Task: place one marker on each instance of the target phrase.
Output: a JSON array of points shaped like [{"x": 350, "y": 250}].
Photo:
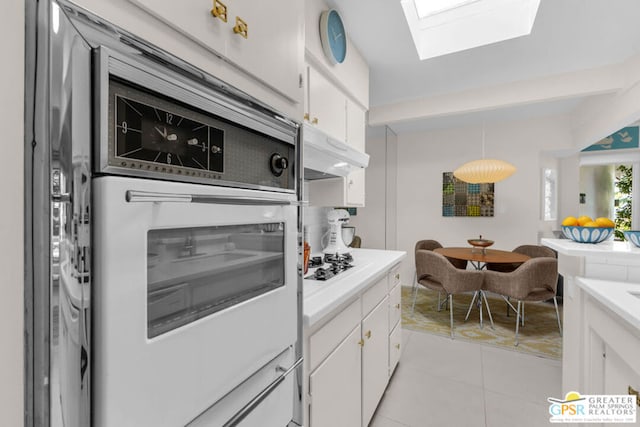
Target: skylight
[
  {"x": 440, "y": 27},
  {"x": 431, "y": 7}
]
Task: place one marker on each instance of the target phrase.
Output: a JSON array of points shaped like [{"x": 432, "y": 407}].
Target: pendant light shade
[{"x": 484, "y": 170}]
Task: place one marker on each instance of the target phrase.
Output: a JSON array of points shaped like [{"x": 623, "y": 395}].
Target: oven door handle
[
  {"x": 246, "y": 410},
  {"x": 133, "y": 196}
]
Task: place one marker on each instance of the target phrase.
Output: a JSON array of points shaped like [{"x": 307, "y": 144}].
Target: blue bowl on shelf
[
  {"x": 633, "y": 236},
  {"x": 587, "y": 234}
]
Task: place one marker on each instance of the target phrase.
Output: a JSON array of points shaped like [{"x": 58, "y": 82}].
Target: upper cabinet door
[
  {"x": 263, "y": 39},
  {"x": 327, "y": 105},
  {"x": 356, "y": 125},
  {"x": 266, "y": 39}
]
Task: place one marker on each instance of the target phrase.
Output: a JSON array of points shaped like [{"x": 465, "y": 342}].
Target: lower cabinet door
[
  {"x": 375, "y": 358},
  {"x": 335, "y": 386},
  {"x": 621, "y": 378},
  {"x": 395, "y": 347}
]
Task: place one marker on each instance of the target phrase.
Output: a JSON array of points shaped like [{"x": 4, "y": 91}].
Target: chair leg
[
  {"x": 522, "y": 314},
  {"x": 488, "y": 310},
  {"x": 475, "y": 294},
  {"x": 439, "y": 307},
  {"x": 451, "y": 313},
  {"x": 508, "y": 304},
  {"x": 518, "y": 321},
  {"x": 555, "y": 303}
]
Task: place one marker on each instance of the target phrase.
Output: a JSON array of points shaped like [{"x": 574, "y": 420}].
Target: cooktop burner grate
[{"x": 331, "y": 265}]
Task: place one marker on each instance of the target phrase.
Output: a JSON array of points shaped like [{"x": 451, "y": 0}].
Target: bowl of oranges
[{"x": 587, "y": 230}]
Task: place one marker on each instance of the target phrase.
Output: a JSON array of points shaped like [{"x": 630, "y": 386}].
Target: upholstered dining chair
[
  {"x": 430, "y": 245},
  {"x": 435, "y": 272},
  {"x": 535, "y": 280},
  {"x": 533, "y": 251}
]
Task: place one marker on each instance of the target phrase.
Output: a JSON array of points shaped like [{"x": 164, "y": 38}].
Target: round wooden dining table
[{"x": 479, "y": 259}]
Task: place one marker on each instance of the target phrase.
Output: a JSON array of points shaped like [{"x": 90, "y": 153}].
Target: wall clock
[{"x": 333, "y": 36}]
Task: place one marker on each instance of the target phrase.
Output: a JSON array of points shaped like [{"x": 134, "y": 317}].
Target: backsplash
[{"x": 315, "y": 221}]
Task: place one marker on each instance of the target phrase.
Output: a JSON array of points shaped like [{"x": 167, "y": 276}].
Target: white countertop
[
  {"x": 620, "y": 297},
  {"x": 321, "y": 298},
  {"x": 607, "y": 248}
]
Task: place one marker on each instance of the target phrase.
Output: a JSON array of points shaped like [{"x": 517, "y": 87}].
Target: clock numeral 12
[{"x": 169, "y": 118}]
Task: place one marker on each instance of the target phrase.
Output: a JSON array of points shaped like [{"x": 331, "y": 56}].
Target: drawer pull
[
  {"x": 361, "y": 343},
  {"x": 306, "y": 116},
  {"x": 398, "y": 346},
  {"x": 397, "y": 276},
  {"x": 241, "y": 28},
  {"x": 368, "y": 334},
  {"x": 314, "y": 121},
  {"x": 219, "y": 10},
  {"x": 398, "y": 306},
  {"x": 634, "y": 392}
]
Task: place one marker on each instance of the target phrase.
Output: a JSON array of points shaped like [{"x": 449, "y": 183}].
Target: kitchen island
[
  {"x": 352, "y": 337},
  {"x": 596, "y": 282}
]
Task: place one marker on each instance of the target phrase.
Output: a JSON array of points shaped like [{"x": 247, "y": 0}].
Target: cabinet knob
[
  {"x": 397, "y": 276},
  {"x": 306, "y": 116},
  {"x": 368, "y": 334},
  {"x": 398, "y": 346},
  {"x": 634, "y": 392},
  {"x": 314, "y": 121},
  {"x": 361, "y": 343},
  {"x": 219, "y": 10},
  {"x": 398, "y": 306},
  {"x": 241, "y": 28}
]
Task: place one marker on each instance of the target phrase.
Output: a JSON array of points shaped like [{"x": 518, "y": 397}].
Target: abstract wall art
[{"x": 460, "y": 198}]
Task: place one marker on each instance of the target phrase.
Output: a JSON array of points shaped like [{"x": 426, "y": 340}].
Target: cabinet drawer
[
  {"x": 395, "y": 347},
  {"x": 394, "y": 277},
  {"x": 373, "y": 296},
  {"x": 323, "y": 341},
  {"x": 395, "y": 306}
]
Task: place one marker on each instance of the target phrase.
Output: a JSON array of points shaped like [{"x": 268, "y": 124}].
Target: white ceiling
[{"x": 567, "y": 36}]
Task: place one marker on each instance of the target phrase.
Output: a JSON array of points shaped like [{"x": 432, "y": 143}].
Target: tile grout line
[{"x": 484, "y": 394}]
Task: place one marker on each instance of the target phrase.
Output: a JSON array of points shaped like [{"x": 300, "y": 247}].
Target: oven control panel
[{"x": 153, "y": 135}]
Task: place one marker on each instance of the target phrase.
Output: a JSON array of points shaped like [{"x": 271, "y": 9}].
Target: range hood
[{"x": 327, "y": 157}]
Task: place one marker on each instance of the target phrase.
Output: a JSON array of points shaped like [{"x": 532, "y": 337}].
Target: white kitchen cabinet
[
  {"x": 375, "y": 373},
  {"x": 356, "y": 125},
  {"x": 612, "y": 350},
  {"x": 333, "y": 364},
  {"x": 326, "y": 105},
  {"x": 267, "y": 43},
  {"x": 335, "y": 386},
  {"x": 340, "y": 191},
  {"x": 395, "y": 315}
]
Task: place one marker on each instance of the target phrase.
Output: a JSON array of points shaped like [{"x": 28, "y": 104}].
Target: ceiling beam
[{"x": 577, "y": 84}]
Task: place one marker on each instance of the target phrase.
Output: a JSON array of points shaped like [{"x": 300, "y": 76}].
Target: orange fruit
[
  {"x": 605, "y": 222},
  {"x": 583, "y": 220},
  {"x": 590, "y": 224},
  {"x": 570, "y": 221}
]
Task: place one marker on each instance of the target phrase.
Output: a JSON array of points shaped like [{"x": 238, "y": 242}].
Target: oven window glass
[{"x": 194, "y": 272}]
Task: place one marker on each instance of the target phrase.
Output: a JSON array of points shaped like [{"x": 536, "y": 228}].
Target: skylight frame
[{"x": 468, "y": 24}]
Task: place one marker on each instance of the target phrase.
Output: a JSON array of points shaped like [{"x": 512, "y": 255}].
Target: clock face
[
  {"x": 333, "y": 36},
  {"x": 157, "y": 135}
]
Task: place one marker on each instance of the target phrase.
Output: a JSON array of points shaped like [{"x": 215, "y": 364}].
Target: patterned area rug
[{"x": 539, "y": 336}]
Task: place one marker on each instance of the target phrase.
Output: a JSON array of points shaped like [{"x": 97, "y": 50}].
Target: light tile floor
[{"x": 452, "y": 383}]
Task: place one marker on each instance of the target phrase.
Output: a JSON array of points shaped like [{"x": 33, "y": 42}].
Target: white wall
[
  {"x": 11, "y": 215},
  {"x": 423, "y": 157}
]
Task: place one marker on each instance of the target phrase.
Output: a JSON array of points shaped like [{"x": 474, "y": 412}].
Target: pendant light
[{"x": 484, "y": 170}]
